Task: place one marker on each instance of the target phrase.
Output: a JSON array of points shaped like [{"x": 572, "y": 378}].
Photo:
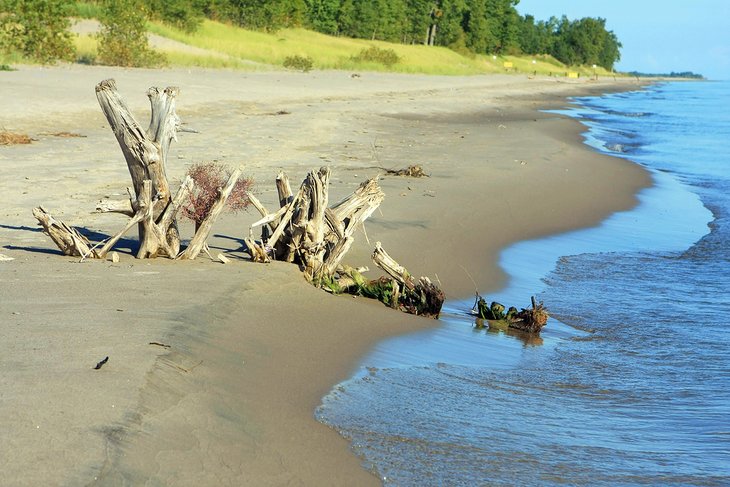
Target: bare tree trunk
[{"x": 146, "y": 154}]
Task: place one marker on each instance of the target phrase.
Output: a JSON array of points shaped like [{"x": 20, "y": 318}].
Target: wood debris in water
[{"x": 530, "y": 320}]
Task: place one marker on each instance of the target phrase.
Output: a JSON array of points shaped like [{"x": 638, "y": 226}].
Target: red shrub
[{"x": 209, "y": 178}]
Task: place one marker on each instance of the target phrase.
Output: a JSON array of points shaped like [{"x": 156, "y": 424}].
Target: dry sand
[{"x": 253, "y": 348}]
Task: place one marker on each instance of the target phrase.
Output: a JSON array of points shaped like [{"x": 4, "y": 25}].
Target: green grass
[
  {"x": 85, "y": 48},
  {"x": 235, "y": 48},
  {"x": 86, "y": 10},
  {"x": 329, "y": 52}
]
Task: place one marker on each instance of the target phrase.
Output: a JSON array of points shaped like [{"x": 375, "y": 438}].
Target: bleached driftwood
[
  {"x": 146, "y": 156},
  {"x": 306, "y": 232},
  {"x": 203, "y": 230},
  {"x": 151, "y": 206},
  {"x": 66, "y": 237},
  {"x": 420, "y": 297}
]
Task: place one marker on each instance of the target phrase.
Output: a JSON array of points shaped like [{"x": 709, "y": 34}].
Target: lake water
[{"x": 629, "y": 383}]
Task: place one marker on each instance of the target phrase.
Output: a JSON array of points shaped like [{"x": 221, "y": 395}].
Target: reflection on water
[{"x": 630, "y": 385}]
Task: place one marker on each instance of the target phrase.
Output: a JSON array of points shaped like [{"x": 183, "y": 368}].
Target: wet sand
[{"x": 253, "y": 348}]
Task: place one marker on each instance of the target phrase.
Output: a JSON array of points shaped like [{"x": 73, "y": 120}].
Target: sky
[{"x": 658, "y": 36}]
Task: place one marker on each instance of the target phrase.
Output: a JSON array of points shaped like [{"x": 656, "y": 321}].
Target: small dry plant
[
  {"x": 209, "y": 178},
  {"x": 9, "y": 138}
]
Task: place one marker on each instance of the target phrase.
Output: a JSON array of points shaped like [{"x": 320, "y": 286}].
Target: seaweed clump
[{"x": 530, "y": 320}]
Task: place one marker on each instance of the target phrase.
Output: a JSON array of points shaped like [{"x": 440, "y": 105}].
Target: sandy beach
[{"x": 251, "y": 349}]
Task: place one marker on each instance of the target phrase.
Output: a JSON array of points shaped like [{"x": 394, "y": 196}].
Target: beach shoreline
[{"x": 253, "y": 349}]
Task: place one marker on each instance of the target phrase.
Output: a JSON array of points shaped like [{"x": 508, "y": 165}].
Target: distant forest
[
  {"x": 682, "y": 74},
  {"x": 467, "y": 26}
]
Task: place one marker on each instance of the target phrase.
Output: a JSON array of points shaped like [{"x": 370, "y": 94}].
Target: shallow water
[{"x": 630, "y": 383}]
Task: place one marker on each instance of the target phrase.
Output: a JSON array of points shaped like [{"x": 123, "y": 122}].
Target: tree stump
[
  {"x": 151, "y": 205},
  {"x": 306, "y": 231},
  {"x": 146, "y": 155}
]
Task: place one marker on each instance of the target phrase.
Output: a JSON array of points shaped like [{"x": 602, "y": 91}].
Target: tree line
[
  {"x": 492, "y": 27},
  {"x": 476, "y": 26}
]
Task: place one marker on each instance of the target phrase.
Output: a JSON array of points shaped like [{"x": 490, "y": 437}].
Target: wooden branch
[
  {"x": 334, "y": 224},
  {"x": 67, "y": 238},
  {"x": 136, "y": 218},
  {"x": 367, "y": 191},
  {"x": 256, "y": 251},
  {"x": 283, "y": 188},
  {"x": 257, "y": 204},
  {"x": 278, "y": 232},
  {"x": 391, "y": 267},
  {"x": 170, "y": 213},
  {"x": 335, "y": 255},
  {"x": 120, "y": 206},
  {"x": 138, "y": 150},
  {"x": 201, "y": 235},
  {"x": 298, "y": 229},
  {"x": 164, "y": 122},
  {"x": 271, "y": 217},
  {"x": 149, "y": 244}
]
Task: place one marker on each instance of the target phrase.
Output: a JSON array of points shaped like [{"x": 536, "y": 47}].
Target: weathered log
[
  {"x": 279, "y": 230},
  {"x": 146, "y": 155},
  {"x": 67, "y": 238},
  {"x": 201, "y": 235},
  {"x": 123, "y": 206},
  {"x": 256, "y": 251},
  {"x": 309, "y": 233},
  {"x": 317, "y": 184},
  {"x": 316, "y": 237},
  {"x": 420, "y": 298},
  {"x": 391, "y": 267},
  {"x": 531, "y": 320},
  {"x": 283, "y": 188}
]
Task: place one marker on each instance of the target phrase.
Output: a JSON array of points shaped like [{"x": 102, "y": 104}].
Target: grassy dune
[
  {"x": 329, "y": 52},
  {"x": 225, "y": 46}
]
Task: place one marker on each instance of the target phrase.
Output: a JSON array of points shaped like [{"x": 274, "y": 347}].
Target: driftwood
[
  {"x": 413, "y": 171},
  {"x": 146, "y": 156},
  {"x": 67, "y": 238},
  {"x": 531, "y": 320},
  {"x": 306, "y": 231},
  {"x": 420, "y": 297},
  {"x": 203, "y": 230},
  {"x": 150, "y": 206}
]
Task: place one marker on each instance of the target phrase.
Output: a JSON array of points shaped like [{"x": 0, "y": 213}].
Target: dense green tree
[
  {"x": 123, "y": 37},
  {"x": 419, "y": 21},
  {"x": 184, "y": 14},
  {"x": 585, "y": 41},
  {"x": 378, "y": 19},
  {"x": 479, "y": 35},
  {"x": 37, "y": 29},
  {"x": 322, "y": 15},
  {"x": 450, "y": 21},
  {"x": 610, "y": 51}
]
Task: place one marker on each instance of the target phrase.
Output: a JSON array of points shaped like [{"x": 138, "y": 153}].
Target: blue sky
[{"x": 657, "y": 35}]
